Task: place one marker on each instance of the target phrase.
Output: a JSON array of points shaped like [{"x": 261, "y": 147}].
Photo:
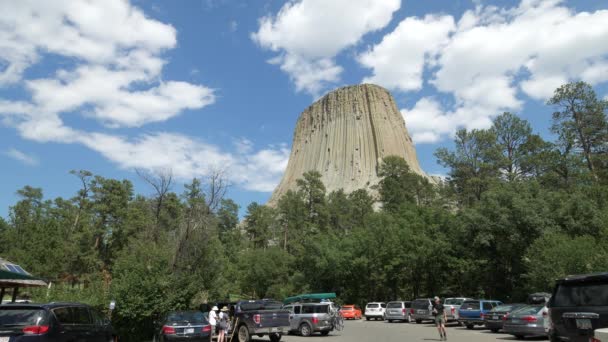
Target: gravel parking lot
[{"x": 376, "y": 331}]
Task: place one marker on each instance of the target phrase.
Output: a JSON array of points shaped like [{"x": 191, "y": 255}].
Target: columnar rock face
[{"x": 344, "y": 136}]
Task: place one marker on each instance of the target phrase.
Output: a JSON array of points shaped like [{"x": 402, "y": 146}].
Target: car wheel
[
  {"x": 367, "y": 318},
  {"x": 418, "y": 321},
  {"x": 470, "y": 326},
  {"x": 305, "y": 330},
  {"x": 275, "y": 337},
  {"x": 519, "y": 337},
  {"x": 244, "y": 334},
  {"x": 325, "y": 333},
  {"x": 390, "y": 321},
  {"x": 494, "y": 330}
]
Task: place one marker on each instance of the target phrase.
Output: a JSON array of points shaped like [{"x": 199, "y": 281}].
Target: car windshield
[
  {"x": 22, "y": 316},
  {"x": 373, "y": 306},
  {"x": 394, "y": 305},
  {"x": 347, "y": 308},
  {"x": 503, "y": 308},
  {"x": 187, "y": 316},
  {"x": 577, "y": 294},
  {"x": 470, "y": 305},
  {"x": 454, "y": 301},
  {"x": 528, "y": 310}
]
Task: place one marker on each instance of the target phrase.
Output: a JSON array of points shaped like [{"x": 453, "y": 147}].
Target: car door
[
  {"x": 63, "y": 315},
  {"x": 100, "y": 327},
  {"x": 83, "y": 325}
]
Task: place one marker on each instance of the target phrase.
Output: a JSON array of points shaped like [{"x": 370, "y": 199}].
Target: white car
[{"x": 375, "y": 310}]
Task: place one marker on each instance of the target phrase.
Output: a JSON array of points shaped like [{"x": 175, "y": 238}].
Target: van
[
  {"x": 398, "y": 311},
  {"x": 422, "y": 310}
]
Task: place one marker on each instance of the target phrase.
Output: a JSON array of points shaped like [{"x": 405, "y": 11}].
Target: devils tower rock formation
[{"x": 344, "y": 136}]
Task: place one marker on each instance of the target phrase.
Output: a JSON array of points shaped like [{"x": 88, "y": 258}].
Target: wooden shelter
[{"x": 13, "y": 276}]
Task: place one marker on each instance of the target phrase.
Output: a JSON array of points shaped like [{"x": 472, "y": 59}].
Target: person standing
[
  {"x": 224, "y": 318},
  {"x": 440, "y": 318},
  {"x": 213, "y": 320}
]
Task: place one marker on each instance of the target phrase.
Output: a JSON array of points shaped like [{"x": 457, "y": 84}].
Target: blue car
[
  {"x": 473, "y": 311},
  {"x": 57, "y": 322}
]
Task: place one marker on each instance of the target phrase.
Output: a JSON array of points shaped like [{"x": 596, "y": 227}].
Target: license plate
[
  {"x": 189, "y": 330},
  {"x": 421, "y": 311},
  {"x": 274, "y": 329},
  {"x": 495, "y": 318},
  {"x": 584, "y": 324}
]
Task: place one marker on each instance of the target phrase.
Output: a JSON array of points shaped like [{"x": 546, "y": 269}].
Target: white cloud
[
  {"x": 308, "y": 34},
  {"x": 22, "y": 157},
  {"x": 111, "y": 71},
  {"x": 492, "y": 56},
  {"x": 398, "y": 61}
]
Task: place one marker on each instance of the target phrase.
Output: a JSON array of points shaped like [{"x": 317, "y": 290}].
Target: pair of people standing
[
  {"x": 440, "y": 318},
  {"x": 219, "y": 323}
]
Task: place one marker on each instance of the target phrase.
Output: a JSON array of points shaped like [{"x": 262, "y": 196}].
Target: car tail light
[
  {"x": 404, "y": 311},
  {"x": 412, "y": 311},
  {"x": 168, "y": 330},
  {"x": 257, "y": 318},
  {"x": 593, "y": 339},
  {"x": 36, "y": 329},
  {"x": 482, "y": 315},
  {"x": 453, "y": 310},
  {"x": 206, "y": 328},
  {"x": 529, "y": 319},
  {"x": 505, "y": 317},
  {"x": 315, "y": 320}
]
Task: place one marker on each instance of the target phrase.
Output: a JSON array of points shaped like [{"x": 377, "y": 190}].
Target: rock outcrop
[{"x": 344, "y": 136}]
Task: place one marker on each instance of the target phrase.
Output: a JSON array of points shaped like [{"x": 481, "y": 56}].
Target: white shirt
[{"x": 212, "y": 317}]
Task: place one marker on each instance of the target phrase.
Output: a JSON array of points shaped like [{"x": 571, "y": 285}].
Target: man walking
[{"x": 440, "y": 318}]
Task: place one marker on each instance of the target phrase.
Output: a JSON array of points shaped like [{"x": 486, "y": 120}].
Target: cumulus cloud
[
  {"x": 488, "y": 60},
  {"x": 111, "y": 71},
  {"x": 21, "y": 156},
  {"x": 308, "y": 34}
]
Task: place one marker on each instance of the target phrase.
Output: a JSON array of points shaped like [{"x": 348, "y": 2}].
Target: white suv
[{"x": 375, "y": 310}]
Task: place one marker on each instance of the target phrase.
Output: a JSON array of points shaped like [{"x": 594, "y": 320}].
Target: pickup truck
[
  {"x": 452, "y": 305},
  {"x": 262, "y": 318}
]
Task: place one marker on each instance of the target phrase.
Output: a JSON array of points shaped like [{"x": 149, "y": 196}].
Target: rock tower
[{"x": 344, "y": 136}]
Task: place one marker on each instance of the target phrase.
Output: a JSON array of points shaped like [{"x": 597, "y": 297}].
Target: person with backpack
[{"x": 223, "y": 322}]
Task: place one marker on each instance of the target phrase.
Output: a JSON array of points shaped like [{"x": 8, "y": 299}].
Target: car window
[
  {"x": 348, "y": 308},
  {"x": 454, "y": 301},
  {"x": 502, "y": 308},
  {"x": 297, "y": 309},
  {"x": 421, "y": 304},
  {"x": 63, "y": 315},
  {"x": 591, "y": 294},
  {"x": 487, "y": 306},
  {"x": 22, "y": 316},
  {"x": 528, "y": 310},
  {"x": 408, "y": 304},
  {"x": 80, "y": 315},
  {"x": 395, "y": 305},
  {"x": 373, "y": 306},
  {"x": 186, "y": 316},
  {"x": 309, "y": 309},
  {"x": 383, "y": 305},
  {"x": 288, "y": 308},
  {"x": 472, "y": 305},
  {"x": 97, "y": 317}
]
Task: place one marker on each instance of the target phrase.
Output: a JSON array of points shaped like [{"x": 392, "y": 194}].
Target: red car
[{"x": 351, "y": 312}]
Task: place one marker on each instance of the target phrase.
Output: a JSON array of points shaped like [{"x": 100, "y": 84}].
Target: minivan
[
  {"x": 578, "y": 306},
  {"x": 398, "y": 311},
  {"x": 422, "y": 310}
]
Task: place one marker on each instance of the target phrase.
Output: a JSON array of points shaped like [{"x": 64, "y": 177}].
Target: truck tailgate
[{"x": 274, "y": 318}]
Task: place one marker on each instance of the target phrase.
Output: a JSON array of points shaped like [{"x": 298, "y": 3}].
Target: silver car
[
  {"x": 422, "y": 310},
  {"x": 398, "y": 311},
  {"x": 527, "y": 321},
  {"x": 452, "y": 305},
  {"x": 308, "y": 318}
]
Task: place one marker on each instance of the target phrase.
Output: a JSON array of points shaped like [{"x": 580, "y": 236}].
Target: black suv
[
  {"x": 58, "y": 322},
  {"x": 578, "y": 306}
]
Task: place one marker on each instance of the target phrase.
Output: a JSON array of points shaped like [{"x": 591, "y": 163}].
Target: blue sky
[{"x": 197, "y": 87}]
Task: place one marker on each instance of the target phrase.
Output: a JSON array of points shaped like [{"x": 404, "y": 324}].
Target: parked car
[
  {"x": 600, "y": 335},
  {"x": 351, "y": 312},
  {"x": 422, "y": 310},
  {"x": 57, "y": 322},
  {"x": 182, "y": 325},
  {"x": 495, "y": 319},
  {"x": 472, "y": 312},
  {"x": 375, "y": 310},
  {"x": 263, "y": 317},
  {"x": 578, "y": 306},
  {"x": 308, "y": 318},
  {"x": 452, "y": 305},
  {"x": 398, "y": 311},
  {"x": 525, "y": 321}
]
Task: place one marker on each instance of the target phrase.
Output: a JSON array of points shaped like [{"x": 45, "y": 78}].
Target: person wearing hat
[
  {"x": 213, "y": 319},
  {"x": 224, "y": 318},
  {"x": 440, "y": 318}
]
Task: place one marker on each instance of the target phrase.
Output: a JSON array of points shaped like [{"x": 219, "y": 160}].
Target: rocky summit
[{"x": 344, "y": 136}]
